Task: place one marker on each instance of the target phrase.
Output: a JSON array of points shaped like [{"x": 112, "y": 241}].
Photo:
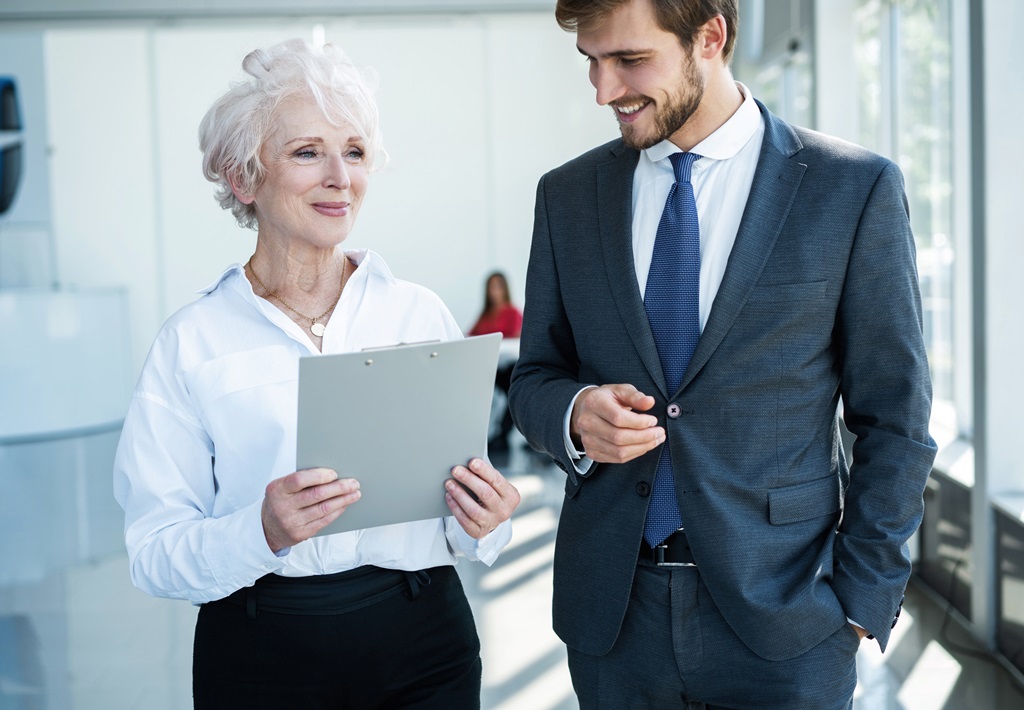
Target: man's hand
[
  {"x": 495, "y": 498},
  {"x": 301, "y": 504},
  {"x": 607, "y": 422},
  {"x": 861, "y": 632}
]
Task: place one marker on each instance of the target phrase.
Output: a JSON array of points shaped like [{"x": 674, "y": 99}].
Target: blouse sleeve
[{"x": 164, "y": 480}]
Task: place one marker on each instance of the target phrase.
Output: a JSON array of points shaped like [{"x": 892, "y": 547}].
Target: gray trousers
[{"x": 675, "y": 650}]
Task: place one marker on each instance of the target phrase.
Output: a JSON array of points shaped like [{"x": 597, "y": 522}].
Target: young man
[{"x": 700, "y": 295}]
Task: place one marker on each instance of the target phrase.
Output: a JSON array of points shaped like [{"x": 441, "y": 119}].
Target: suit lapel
[
  {"x": 615, "y": 217},
  {"x": 775, "y": 185}
]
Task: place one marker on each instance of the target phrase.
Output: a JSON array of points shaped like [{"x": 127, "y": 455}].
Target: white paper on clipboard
[{"x": 397, "y": 419}]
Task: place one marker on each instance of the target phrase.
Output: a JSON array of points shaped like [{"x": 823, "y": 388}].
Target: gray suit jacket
[{"x": 819, "y": 301}]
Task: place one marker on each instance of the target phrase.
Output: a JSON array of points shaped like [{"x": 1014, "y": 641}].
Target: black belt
[
  {"x": 330, "y": 594},
  {"x": 674, "y": 552}
]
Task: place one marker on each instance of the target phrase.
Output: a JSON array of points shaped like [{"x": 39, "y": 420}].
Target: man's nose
[{"x": 606, "y": 80}]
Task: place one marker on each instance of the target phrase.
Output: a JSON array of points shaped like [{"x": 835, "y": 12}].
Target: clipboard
[{"x": 397, "y": 419}]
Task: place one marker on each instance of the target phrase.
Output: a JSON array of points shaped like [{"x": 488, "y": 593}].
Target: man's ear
[
  {"x": 244, "y": 197},
  {"x": 713, "y": 36}
]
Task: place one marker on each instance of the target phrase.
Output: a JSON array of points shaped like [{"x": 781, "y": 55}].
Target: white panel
[
  {"x": 836, "y": 108},
  {"x": 63, "y": 362},
  {"x": 543, "y": 112},
  {"x": 1004, "y": 248},
  {"x": 98, "y": 89}
]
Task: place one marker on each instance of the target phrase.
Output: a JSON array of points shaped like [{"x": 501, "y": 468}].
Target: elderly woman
[{"x": 214, "y": 513}]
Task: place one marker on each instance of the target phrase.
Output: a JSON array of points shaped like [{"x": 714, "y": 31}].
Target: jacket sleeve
[
  {"x": 886, "y": 391},
  {"x": 545, "y": 378}
]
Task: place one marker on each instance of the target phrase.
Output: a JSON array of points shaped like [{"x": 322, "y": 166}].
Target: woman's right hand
[{"x": 299, "y": 505}]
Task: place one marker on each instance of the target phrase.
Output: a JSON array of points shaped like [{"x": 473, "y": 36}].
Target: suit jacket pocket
[
  {"x": 788, "y": 293},
  {"x": 804, "y": 501}
]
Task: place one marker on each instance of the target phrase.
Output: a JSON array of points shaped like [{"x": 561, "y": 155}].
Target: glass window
[{"x": 904, "y": 64}]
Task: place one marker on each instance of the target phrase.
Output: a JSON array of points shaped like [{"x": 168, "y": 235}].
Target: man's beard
[{"x": 673, "y": 115}]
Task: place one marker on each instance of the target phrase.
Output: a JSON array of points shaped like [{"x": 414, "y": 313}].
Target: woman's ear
[{"x": 244, "y": 197}]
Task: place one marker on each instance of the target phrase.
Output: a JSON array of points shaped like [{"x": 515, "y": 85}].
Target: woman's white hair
[{"x": 233, "y": 131}]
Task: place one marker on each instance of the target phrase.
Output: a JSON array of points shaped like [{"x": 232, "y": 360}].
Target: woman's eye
[
  {"x": 355, "y": 155},
  {"x": 305, "y": 153}
]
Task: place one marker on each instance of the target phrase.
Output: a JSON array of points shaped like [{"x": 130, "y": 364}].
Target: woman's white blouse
[{"x": 213, "y": 421}]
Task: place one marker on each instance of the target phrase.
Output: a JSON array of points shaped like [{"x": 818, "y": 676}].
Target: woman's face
[
  {"x": 496, "y": 291},
  {"x": 316, "y": 176}
]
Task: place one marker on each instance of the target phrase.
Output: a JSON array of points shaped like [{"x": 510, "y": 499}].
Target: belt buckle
[{"x": 659, "y": 555}]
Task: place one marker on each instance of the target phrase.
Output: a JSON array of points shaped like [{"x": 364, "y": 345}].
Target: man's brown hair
[{"x": 683, "y": 18}]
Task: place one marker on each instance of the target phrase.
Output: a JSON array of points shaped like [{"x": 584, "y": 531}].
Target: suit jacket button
[
  {"x": 643, "y": 489},
  {"x": 673, "y": 411}
]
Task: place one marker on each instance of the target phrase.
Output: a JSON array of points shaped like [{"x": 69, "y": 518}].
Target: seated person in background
[
  {"x": 214, "y": 512},
  {"x": 500, "y": 316}
]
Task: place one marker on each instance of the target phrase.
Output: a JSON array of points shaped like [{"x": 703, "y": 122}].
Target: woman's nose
[{"x": 336, "y": 173}]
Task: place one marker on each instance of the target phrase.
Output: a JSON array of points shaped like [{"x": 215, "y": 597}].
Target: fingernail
[{"x": 450, "y": 485}]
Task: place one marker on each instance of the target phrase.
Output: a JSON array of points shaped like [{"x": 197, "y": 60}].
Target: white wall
[
  {"x": 474, "y": 109},
  {"x": 1004, "y": 248}
]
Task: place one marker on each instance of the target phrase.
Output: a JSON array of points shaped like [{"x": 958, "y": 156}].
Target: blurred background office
[{"x": 108, "y": 228}]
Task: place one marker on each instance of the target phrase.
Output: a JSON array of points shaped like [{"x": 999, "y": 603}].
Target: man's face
[{"x": 641, "y": 71}]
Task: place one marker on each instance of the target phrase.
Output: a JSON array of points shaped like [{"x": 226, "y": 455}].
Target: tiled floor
[{"x": 86, "y": 640}]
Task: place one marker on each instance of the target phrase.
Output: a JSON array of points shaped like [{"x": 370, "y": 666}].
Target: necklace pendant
[{"x": 317, "y": 329}]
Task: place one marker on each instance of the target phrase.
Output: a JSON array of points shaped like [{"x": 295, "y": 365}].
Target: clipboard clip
[{"x": 369, "y": 361}]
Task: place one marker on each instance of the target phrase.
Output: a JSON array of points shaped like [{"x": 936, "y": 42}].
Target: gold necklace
[{"x": 315, "y": 328}]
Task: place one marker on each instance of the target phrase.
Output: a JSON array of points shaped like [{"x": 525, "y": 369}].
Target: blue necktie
[{"x": 672, "y": 302}]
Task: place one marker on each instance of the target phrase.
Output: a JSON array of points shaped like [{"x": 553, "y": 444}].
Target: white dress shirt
[
  {"x": 213, "y": 421},
  {"x": 721, "y": 184}
]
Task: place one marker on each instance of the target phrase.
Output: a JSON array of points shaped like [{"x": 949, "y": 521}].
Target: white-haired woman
[{"x": 213, "y": 512}]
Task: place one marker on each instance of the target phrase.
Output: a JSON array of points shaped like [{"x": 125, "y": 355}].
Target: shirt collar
[
  {"x": 234, "y": 268},
  {"x": 726, "y": 141},
  {"x": 369, "y": 260}
]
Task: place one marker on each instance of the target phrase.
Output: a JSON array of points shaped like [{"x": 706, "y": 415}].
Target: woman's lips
[{"x": 331, "y": 209}]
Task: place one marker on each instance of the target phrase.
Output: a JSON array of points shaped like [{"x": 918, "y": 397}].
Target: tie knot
[{"x": 681, "y": 163}]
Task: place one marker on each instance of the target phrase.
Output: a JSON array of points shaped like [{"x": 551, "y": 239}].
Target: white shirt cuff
[
  {"x": 580, "y": 462},
  {"x": 236, "y": 549},
  {"x": 486, "y": 549}
]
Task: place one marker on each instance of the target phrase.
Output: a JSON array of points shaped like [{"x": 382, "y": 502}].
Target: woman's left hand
[{"x": 496, "y": 498}]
